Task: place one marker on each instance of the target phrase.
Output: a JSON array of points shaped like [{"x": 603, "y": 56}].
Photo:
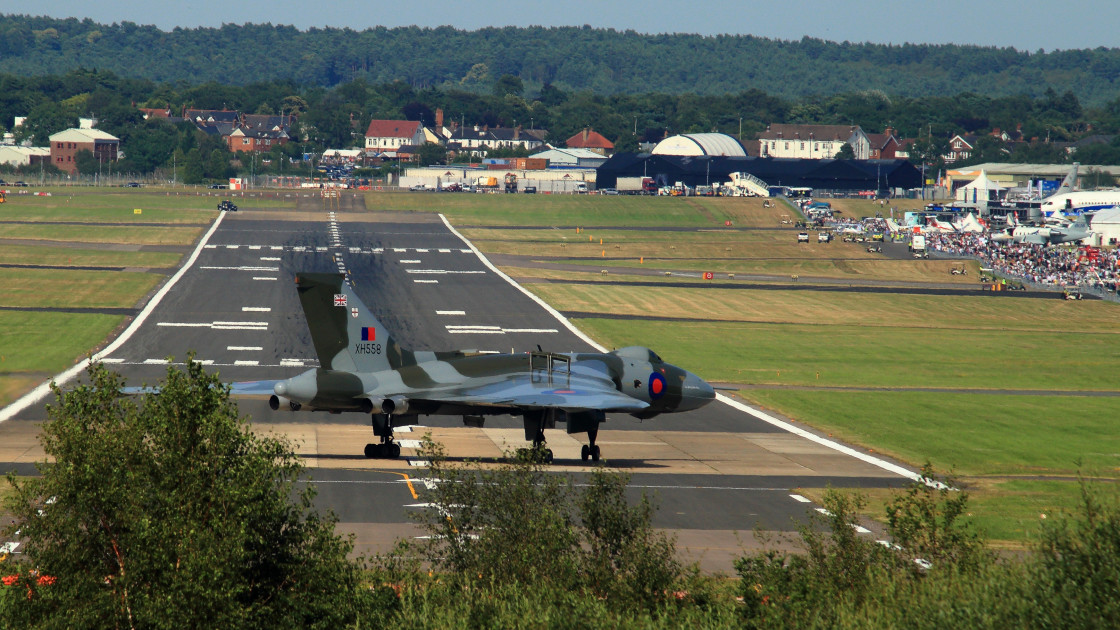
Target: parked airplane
[
  {"x": 1045, "y": 235},
  {"x": 362, "y": 369},
  {"x": 1075, "y": 203}
]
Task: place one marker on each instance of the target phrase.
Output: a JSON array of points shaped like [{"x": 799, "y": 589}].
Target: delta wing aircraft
[{"x": 362, "y": 369}]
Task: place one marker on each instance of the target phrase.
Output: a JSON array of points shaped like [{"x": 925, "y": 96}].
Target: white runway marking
[
  {"x": 9, "y": 547},
  {"x": 291, "y": 362},
  {"x": 477, "y": 331},
  {"x": 155, "y": 361},
  {"x": 236, "y": 327},
  {"x": 242, "y": 268},
  {"x": 244, "y": 348},
  {"x": 451, "y": 327},
  {"x": 232, "y": 246},
  {"x": 419, "y": 463},
  {"x": 256, "y": 309},
  {"x": 451, "y": 312},
  {"x": 185, "y": 324},
  {"x": 426, "y": 281},
  {"x": 246, "y": 362},
  {"x": 276, "y": 248},
  {"x": 409, "y": 443},
  {"x": 442, "y": 271},
  {"x": 112, "y": 360},
  {"x": 529, "y": 330},
  {"x": 270, "y": 258},
  {"x": 263, "y": 278},
  {"x": 799, "y": 498},
  {"x": 320, "y": 249},
  {"x": 445, "y": 251},
  {"x": 254, "y": 247},
  {"x": 421, "y": 251},
  {"x": 399, "y": 250}
]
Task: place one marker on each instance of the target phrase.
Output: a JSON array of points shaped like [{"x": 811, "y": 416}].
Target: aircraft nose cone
[{"x": 696, "y": 392}]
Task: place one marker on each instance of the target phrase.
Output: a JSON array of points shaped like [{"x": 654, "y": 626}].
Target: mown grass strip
[
  {"x": 51, "y": 288},
  {"x": 70, "y": 256},
  {"x": 136, "y": 235}
]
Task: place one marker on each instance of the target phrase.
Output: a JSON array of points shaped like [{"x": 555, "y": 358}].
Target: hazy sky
[{"x": 1022, "y": 24}]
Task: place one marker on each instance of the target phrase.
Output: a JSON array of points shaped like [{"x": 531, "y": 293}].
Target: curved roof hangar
[{"x": 710, "y": 144}]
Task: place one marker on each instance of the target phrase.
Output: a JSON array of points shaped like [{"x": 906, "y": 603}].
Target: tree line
[
  {"x": 605, "y": 61},
  {"x": 168, "y": 512},
  {"x": 337, "y": 117}
]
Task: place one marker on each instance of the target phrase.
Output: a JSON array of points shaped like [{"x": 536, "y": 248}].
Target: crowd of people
[{"x": 1045, "y": 265}]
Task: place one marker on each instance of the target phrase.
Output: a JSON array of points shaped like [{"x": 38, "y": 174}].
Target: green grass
[
  {"x": 35, "y": 345},
  {"x": 976, "y": 434},
  {"x": 583, "y": 210},
  {"x": 74, "y": 289},
  {"x": 69, "y": 256},
  {"x": 864, "y": 356},
  {"x": 137, "y": 235}
]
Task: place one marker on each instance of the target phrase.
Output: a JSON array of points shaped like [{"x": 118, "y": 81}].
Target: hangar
[
  {"x": 703, "y": 170},
  {"x": 698, "y": 144}
]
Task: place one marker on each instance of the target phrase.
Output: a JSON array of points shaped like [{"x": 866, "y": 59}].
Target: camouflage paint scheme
[{"x": 362, "y": 369}]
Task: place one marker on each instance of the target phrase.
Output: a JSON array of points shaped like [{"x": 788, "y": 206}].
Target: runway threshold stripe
[
  {"x": 451, "y": 312},
  {"x": 246, "y": 362},
  {"x": 244, "y": 348},
  {"x": 263, "y": 278},
  {"x": 426, "y": 281},
  {"x": 799, "y": 498}
]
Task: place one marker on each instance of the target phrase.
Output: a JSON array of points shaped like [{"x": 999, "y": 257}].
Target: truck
[
  {"x": 511, "y": 183},
  {"x": 487, "y": 183},
  {"x": 918, "y": 246},
  {"x": 636, "y": 186}
]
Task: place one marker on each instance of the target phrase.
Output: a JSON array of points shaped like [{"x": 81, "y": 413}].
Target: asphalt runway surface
[{"x": 717, "y": 473}]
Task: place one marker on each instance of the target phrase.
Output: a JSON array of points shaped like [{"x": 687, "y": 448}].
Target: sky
[{"x": 1022, "y": 24}]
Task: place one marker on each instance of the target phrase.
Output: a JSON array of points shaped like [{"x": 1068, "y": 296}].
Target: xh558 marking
[{"x": 362, "y": 369}]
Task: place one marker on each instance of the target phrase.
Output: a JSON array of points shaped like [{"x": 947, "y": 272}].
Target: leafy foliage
[{"x": 169, "y": 513}]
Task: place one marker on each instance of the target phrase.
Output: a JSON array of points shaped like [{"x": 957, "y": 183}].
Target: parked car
[
  {"x": 608, "y": 191},
  {"x": 529, "y": 190},
  {"x": 218, "y": 186},
  {"x": 132, "y": 185},
  {"x": 22, "y": 184},
  {"x": 227, "y": 206},
  {"x": 802, "y": 237}
]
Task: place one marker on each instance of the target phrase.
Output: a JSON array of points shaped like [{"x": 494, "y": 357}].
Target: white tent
[
  {"x": 969, "y": 224},
  {"x": 1106, "y": 223},
  {"x": 980, "y": 189}
]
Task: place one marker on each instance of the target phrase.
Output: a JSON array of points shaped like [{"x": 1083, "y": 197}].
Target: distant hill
[{"x": 604, "y": 61}]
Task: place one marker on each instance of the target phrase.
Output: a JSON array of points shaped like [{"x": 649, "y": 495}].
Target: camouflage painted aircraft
[{"x": 362, "y": 369}]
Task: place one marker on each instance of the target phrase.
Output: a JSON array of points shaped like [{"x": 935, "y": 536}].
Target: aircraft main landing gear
[
  {"x": 539, "y": 452},
  {"x": 590, "y": 450},
  {"x": 387, "y": 449}
]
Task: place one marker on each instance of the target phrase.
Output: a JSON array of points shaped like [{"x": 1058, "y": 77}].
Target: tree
[
  {"x": 168, "y": 512},
  {"x": 86, "y": 163},
  {"x": 846, "y": 152},
  {"x": 432, "y": 153},
  {"x": 507, "y": 84}
]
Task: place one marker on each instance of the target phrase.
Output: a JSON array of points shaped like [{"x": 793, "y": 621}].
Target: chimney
[
  {"x": 586, "y": 133},
  {"x": 889, "y": 131},
  {"x": 517, "y": 132},
  {"x": 439, "y": 118}
]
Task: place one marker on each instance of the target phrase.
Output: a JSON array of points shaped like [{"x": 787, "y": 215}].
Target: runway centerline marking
[
  {"x": 244, "y": 348},
  {"x": 246, "y": 362},
  {"x": 418, "y": 281},
  {"x": 451, "y": 312},
  {"x": 256, "y": 309},
  {"x": 263, "y": 278}
]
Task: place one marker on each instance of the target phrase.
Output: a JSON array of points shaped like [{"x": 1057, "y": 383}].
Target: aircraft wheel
[
  {"x": 584, "y": 452},
  {"x": 594, "y": 453},
  {"x": 548, "y": 456},
  {"x": 394, "y": 450},
  {"x": 371, "y": 450}
]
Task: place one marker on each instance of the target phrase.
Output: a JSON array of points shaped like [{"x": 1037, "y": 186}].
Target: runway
[{"x": 717, "y": 473}]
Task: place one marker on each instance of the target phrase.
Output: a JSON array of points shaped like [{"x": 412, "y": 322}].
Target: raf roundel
[{"x": 656, "y": 386}]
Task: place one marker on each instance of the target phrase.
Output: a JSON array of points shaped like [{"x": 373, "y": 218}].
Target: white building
[
  {"x": 572, "y": 158},
  {"x": 814, "y": 142},
  {"x": 24, "y": 156},
  {"x": 710, "y": 144},
  {"x": 390, "y": 135}
]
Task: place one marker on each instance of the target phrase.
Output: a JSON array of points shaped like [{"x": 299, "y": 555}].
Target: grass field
[
  {"x": 72, "y": 256},
  {"x": 79, "y": 288},
  {"x": 584, "y": 210},
  {"x": 135, "y": 235},
  {"x": 36, "y": 345}
]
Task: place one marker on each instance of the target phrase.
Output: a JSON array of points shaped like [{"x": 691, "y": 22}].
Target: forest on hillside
[{"x": 603, "y": 61}]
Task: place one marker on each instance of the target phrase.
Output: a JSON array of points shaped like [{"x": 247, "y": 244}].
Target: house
[
  {"x": 960, "y": 148},
  {"x": 572, "y": 158},
  {"x": 65, "y": 145},
  {"x": 592, "y": 141},
  {"x": 202, "y": 117},
  {"x": 815, "y": 142},
  {"x": 480, "y": 140},
  {"x": 155, "y": 112},
  {"x": 884, "y": 146},
  {"x": 388, "y": 136},
  {"x": 246, "y": 138}
]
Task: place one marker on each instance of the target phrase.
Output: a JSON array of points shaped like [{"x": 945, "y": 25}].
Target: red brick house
[
  {"x": 591, "y": 140},
  {"x": 66, "y": 144}
]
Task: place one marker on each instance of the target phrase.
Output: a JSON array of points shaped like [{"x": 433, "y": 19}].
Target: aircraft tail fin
[
  {"x": 345, "y": 334},
  {"x": 1069, "y": 184}
]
